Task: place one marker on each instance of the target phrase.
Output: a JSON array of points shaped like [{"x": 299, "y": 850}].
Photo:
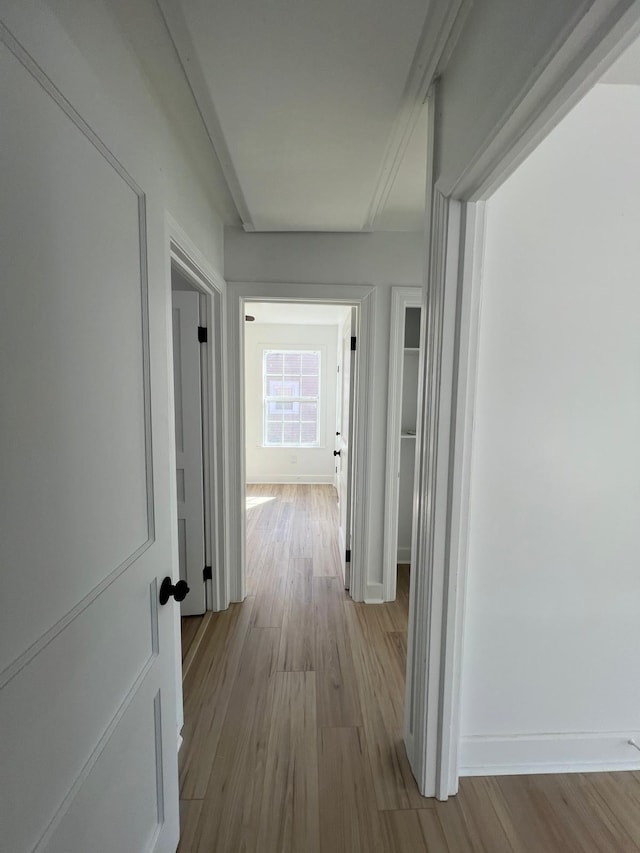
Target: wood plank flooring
[
  {"x": 293, "y": 723},
  {"x": 194, "y": 629},
  {"x": 190, "y": 627}
]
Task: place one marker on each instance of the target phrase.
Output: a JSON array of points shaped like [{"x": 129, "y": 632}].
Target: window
[{"x": 291, "y": 398}]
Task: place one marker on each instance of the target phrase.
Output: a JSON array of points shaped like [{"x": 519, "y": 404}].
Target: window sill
[{"x": 292, "y": 446}]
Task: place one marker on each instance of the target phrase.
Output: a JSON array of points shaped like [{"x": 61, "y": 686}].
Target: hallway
[
  {"x": 299, "y": 694},
  {"x": 294, "y": 714}
]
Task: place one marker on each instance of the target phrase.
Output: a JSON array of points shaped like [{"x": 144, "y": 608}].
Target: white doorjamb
[
  {"x": 438, "y": 586},
  {"x": 197, "y": 271},
  {"x": 427, "y": 600},
  {"x": 468, "y": 319},
  {"x": 401, "y": 299},
  {"x": 449, "y": 331},
  {"x": 363, "y": 298}
]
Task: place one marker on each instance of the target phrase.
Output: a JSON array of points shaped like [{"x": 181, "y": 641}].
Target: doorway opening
[
  {"x": 196, "y": 338},
  {"x": 189, "y": 386},
  {"x": 402, "y": 421},
  {"x": 362, "y": 587},
  {"x": 299, "y": 392}
]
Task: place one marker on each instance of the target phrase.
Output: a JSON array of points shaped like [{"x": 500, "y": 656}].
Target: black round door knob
[
  {"x": 178, "y": 591},
  {"x": 336, "y": 453}
]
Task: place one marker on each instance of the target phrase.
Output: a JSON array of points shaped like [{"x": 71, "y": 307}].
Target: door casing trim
[{"x": 363, "y": 297}]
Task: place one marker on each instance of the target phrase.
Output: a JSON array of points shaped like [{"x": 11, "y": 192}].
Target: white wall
[
  {"x": 552, "y": 632},
  {"x": 378, "y": 259},
  {"x": 287, "y": 464}
]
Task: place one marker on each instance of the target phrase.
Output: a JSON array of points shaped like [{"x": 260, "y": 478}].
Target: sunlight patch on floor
[{"x": 257, "y": 500}]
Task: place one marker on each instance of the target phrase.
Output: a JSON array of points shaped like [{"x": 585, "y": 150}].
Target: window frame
[{"x": 318, "y": 400}]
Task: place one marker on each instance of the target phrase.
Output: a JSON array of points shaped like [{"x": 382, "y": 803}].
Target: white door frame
[
  {"x": 345, "y": 498},
  {"x": 450, "y": 321},
  {"x": 363, "y": 298},
  {"x": 191, "y": 378},
  {"x": 184, "y": 256},
  {"x": 401, "y": 299},
  {"x": 436, "y": 605}
]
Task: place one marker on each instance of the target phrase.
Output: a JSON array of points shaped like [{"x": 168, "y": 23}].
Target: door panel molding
[
  {"x": 36, "y": 72},
  {"x": 72, "y": 751},
  {"x": 92, "y": 760},
  {"x": 77, "y": 229},
  {"x": 136, "y": 700},
  {"x": 8, "y": 39},
  {"x": 157, "y": 731},
  {"x": 27, "y": 656}
]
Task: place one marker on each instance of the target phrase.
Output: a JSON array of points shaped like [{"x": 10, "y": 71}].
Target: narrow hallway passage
[
  {"x": 294, "y": 713},
  {"x": 297, "y": 695}
]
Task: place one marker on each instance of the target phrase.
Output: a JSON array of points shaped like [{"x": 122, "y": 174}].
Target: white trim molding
[
  {"x": 441, "y": 524},
  {"x": 592, "y": 40},
  {"x": 401, "y": 299},
  {"x": 186, "y": 257},
  {"x": 138, "y": 199},
  {"x": 374, "y": 594},
  {"x": 584, "y": 752},
  {"x": 236, "y": 440},
  {"x": 427, "y": 723},
  {"x": 442, "y": 26},
  {"x": 180, "y": 35},
  {"x": 452, "y": 303},
  {"x": 363, "y": 297},
  {"x": 464, "y": 398}
]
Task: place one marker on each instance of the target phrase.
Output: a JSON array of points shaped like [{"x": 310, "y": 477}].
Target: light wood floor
[
  {"x": 293, "y": 724},
  {"x": 190, "y": 628}
]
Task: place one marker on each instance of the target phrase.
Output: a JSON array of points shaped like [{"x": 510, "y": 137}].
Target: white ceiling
[
  {"x": 297, "y": 313},
  {"x": 316, "y": 108}
]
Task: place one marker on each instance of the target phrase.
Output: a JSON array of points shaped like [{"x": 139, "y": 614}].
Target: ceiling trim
[
  {"x": 442, "y": 26},
  {"x": 179, "y": 34},
  {"x": 586, "y": 46}
]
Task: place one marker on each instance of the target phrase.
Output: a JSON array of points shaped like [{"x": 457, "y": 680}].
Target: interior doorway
[
  {"x": 189, "y": 367},
  {"x": 197, "y": 351},
  {"x": 299, "y": 391},
  {"x": 400, "y": 497},
  {"x": 362, "y": 297}
]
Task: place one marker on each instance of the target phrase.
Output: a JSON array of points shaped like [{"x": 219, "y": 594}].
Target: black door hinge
[
  {"x": 347, "y": 555},
  {"x": 207, "y": 573},
  {"x": 353, "y": 343},
  {"x": 202, "y": 335}
]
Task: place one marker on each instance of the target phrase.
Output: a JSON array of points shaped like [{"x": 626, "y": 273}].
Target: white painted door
[
  {"x": 87, "y": 680},
  {"x": 187, "y": 383},
  {"x": 347, "y": 356}
]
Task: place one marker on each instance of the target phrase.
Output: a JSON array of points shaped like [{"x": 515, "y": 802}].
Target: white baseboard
[
  {"x": 404, "y": 555},
  {"x": 319, "y": 479},
  {"x": 548, "y": 753},
  {"x": 180, "y": 741},
  {"x": 375, "y": 595}
]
